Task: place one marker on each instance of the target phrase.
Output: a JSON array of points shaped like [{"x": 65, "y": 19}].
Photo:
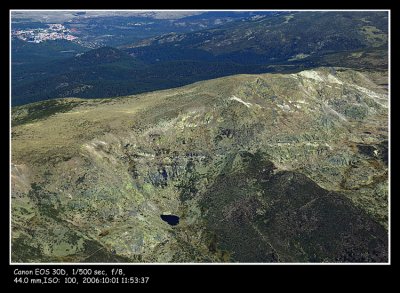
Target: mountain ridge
[{"x": 294, "y": 164}]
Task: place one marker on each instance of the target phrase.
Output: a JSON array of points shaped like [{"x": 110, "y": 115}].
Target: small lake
[{"x": 170, "y": 219}]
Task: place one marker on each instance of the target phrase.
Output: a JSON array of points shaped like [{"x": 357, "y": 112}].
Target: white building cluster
[{"x": 55, "y": 31}]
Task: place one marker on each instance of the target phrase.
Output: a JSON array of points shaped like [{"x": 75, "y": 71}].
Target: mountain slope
[
  {"x": 27, "y": 54},
  {"x": 259, "y": 168}
]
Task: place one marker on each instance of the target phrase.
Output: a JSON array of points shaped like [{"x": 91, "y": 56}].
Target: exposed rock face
[{"x": 259, "y": 168}]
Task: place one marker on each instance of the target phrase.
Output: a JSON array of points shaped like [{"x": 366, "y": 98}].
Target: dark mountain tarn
[{"x": 170, "y": 219}]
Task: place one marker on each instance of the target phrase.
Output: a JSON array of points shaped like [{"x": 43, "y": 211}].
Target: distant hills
[
  {"x": 275, "y": 38},
  {"x": 275, "y": 42}
]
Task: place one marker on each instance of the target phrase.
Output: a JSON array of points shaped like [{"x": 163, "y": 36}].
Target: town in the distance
[{"x": 54, "y": 31}]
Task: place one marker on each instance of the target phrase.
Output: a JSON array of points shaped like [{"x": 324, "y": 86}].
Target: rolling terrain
[{"x": 283, "y": 167}]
